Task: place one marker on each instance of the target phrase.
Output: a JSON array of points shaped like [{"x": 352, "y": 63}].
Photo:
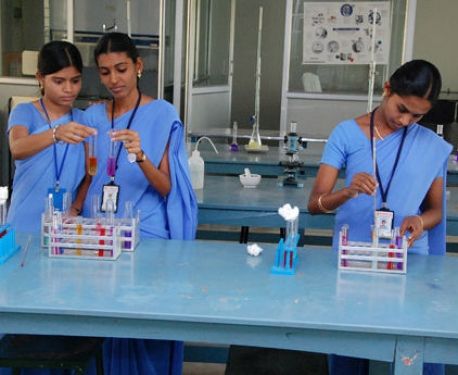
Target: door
[{"x": 209, "y": 63}]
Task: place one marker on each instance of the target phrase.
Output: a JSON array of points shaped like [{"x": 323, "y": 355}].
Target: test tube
[
  {"x": 234, "y": 144},
  {"x": 391, "y": 265},
  {"x": 128, "y": 215},
  {"x": 95, "y": 206},
  {"x": 3, "y": 204},
  {"x": 111, "y": 163},
  {"x": 374, "y": 231},
  {"x": 345, "y": 234},
  {"x": 399, "y": 244},
  {"x": 92, "y": 168},
  {"x": 56, "y": 231},
  {"x": 344, "y": 238},
  {"x": 291, "y": 232},
  {"x": 66, "y": 203},
  {"x": 79, "y": 233}
]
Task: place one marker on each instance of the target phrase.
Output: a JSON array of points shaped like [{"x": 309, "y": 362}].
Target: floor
[{"x": 199, "y": 368}]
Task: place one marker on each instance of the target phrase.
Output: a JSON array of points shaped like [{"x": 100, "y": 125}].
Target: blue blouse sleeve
[
  {"x": 22, "y": 115},
  {"x": 334, "y": 153}
]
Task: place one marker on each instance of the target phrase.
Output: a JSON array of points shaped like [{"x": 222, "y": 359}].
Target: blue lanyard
[
  {"x": 129, "y": 123},
  {"x": 57, "y": 169},
  {"x": 384, "y": 193}
]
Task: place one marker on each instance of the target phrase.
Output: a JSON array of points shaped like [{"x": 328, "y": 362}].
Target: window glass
[
  {"x": 22, "y": 29},
  {"x": 211, "y": 61}
]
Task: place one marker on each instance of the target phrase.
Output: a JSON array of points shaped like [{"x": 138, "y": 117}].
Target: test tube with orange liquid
[{"x": 92, "y": 170}]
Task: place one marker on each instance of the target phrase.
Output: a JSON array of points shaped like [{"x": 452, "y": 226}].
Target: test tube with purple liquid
[{"x": 111, "y": 163}]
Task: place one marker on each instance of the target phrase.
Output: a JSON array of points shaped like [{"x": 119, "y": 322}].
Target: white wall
[{"x": 436, "y": 31}]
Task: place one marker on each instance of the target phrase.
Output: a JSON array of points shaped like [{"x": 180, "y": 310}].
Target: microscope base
[{"x": 290, "y": 181}]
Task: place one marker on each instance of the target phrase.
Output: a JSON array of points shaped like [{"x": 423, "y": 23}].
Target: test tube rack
[
  {"x": 8, "y": 244},
  {"x": 89, "y": 238},
  {"x": 286, "y": 257},
  {"x": 364, "y": 256}
]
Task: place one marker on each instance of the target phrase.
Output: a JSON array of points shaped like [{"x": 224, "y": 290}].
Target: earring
[{"x": 139, "y": 74}]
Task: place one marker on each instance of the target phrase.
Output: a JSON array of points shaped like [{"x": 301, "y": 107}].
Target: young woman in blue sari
[
  {"x": 46, "y": 138},
  {"x": 411, "y": 169},
  {"x": 147, "y": 165}
]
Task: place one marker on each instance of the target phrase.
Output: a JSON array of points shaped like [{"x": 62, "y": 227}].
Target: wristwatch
[{"x": 141, "y": 157}]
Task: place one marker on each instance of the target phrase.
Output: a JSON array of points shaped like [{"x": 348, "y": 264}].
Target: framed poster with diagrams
[{"x": 342, "y": 33}]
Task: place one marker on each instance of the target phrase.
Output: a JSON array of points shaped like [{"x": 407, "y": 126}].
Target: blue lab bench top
[{"x": 213, "y": 292}]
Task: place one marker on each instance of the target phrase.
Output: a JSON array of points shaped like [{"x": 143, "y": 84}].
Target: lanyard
[
  {"x": 129, "y": 123},
  {"x": 384, "y": 193},
  {"x": 57, "y": 169}
]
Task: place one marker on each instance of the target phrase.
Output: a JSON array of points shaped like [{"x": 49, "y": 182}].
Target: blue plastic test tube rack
[
  {"x": 286, "y": 257},
  {"x": 7, "y": 243}
]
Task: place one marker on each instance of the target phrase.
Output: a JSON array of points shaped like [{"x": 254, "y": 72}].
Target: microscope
[{"x": 293, "y": 166}]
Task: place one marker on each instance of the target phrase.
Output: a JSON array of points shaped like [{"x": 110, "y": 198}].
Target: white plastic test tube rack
[
  {"x": 89, "y": 238},
  {"x": 363, "y": 256}
]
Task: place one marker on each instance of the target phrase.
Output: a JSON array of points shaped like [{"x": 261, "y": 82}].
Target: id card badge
[
  {"x": 58, "y": 197},
  {"x": 384, "y": 219},
  {"x": 110, "y": 195}
]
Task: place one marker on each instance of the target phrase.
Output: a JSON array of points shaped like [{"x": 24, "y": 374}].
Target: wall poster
[{"x": 341, "y": 33}]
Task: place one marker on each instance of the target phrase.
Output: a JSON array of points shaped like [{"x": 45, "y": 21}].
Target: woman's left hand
[
  {"x": 130, "y": 138},
  {"x": 413, "y": 225}
]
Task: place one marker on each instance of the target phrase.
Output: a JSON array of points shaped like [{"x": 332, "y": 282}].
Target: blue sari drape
[{"x": 173, "y": 217}]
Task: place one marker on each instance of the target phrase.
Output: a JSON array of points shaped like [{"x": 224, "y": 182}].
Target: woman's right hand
[
  {"x": 73, "y": 132},
  {"x": 363, "y": 183}
]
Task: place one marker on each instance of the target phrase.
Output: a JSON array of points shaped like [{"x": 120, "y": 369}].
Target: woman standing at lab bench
[
  {"x": 45, "y": 138},
  {"x": 409, "y": 183},
  {"x": 147, "y": 165}
]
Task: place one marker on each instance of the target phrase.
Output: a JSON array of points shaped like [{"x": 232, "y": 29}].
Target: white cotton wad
[
  {"x": 254, "y": 250},
  {"x": 247, "y": 172},
  {"x": 288, "y": 213}
]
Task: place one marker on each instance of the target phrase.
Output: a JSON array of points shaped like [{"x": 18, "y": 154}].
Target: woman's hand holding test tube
[
  {"x": 364, "y": 183},
  {"x": 130, "y": 139},
  {"x": 73, "y": 132}
]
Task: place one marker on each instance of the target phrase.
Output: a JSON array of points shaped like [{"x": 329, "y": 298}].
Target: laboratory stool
[{"x": 51, "y": 352}]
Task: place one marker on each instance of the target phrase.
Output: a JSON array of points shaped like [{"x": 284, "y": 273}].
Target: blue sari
[
  {"x": 35, "y": 174},
  {"x": 173, "y": 217},
  {"x": 349, "y": 147},
  {"x": 423, "y": 158}
]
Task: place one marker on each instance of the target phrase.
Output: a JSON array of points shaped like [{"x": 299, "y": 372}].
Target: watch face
[{"x": 131, "y": 157}]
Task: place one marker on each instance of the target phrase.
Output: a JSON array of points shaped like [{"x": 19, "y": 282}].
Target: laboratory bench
[
  {"x": 267, "y": 163},
  {"x": 213, "y": 292},
  {"x": 224, "y": 201}
]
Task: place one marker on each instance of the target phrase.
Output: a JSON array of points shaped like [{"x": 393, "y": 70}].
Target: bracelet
[
  {"x": 320, "y": 205},
  {"x": 54, "y": 139}
]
